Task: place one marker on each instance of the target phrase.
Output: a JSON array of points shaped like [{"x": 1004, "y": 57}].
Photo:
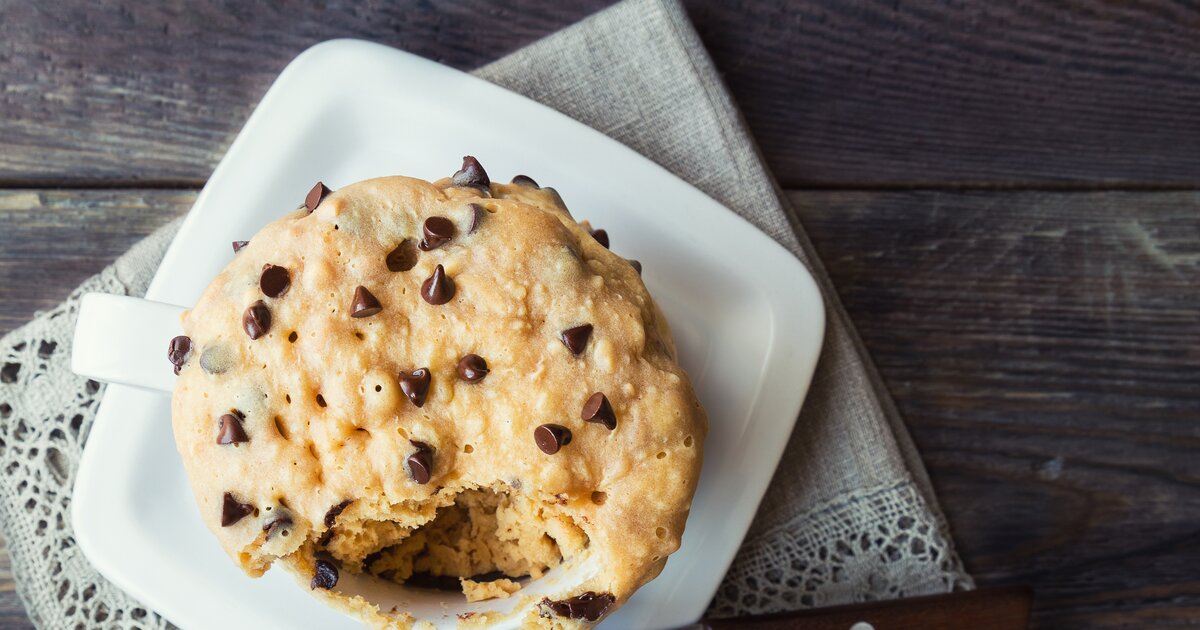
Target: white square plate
[{"x": 748, "y": 318}]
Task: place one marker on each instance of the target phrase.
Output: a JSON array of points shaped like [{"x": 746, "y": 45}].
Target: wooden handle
[{"x": 1004, "y": 608}]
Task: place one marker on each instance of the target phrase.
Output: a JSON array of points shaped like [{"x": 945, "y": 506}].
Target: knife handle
[{"x": 1000, "y": 608}]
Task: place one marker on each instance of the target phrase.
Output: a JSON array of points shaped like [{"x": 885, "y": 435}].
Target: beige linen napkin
[{"x": 850, "y": 514}]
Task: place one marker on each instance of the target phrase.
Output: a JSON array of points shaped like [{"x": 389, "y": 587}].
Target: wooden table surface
[{"x": 1007, "y": 196}]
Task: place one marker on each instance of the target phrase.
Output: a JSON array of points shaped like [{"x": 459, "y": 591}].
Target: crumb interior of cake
[{"x": 484, "y": 536}]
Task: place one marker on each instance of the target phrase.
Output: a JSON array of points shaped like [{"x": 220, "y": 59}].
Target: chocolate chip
[
  {"x": 178, "y": 351},
  {"x": 590, "y": 605},
  {"x": 420, "y": 463},
  {"x": 364, "y": 304},
  {"x": 477, "y": 214},
  {"x": 233, "y": 510},
  {"x": 598, "y": 409},
  {"x": 636, "y": 265},
  {"x": 230, "y": 431},
  {"x": 575, "y": 339},
  {"x": 403, "y": 258},
  {"x": 280, "y": 520},
  {"x": 215, "y": 360},
  {"x": 415, "y": 385},
  {"x": 238, "y": 245},
  {"x": 256, "y": 321},
  {"x": 335, "y": 511},
  {"x": 472, "y": 368},
  {"x": 551, "y": 437},
  {"x": 316, "y": 196},
  {"x": 438, "y": 288},
  {"x": 601, "y": 237},
  {"x": 326, "y": 576},
  {"x": 274, "y": 281},
  {"x": 438, "y": 232},
  {"x": 526, "y": 181},
  {"x": 472, "y": 174}
]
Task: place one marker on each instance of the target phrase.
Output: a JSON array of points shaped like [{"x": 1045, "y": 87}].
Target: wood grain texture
[
  {"x": 1044, "y": 348},
  {"x": 848, "y": 94},
  {"x": 988, "y": 608},
  {"x": 135, "y": 92},
  {"x": 52, "y": 240},
  {"x": 12, "y": 612}
]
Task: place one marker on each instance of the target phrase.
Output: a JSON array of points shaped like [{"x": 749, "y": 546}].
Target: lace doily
[
  {"x": 45, "y": 414},
  {"x": 873, "y": 544}
]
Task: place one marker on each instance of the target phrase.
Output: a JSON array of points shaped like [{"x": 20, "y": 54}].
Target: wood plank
[
  {"x": 125, "y": 91},
  {"x": 12, "y": 611},
  {"x": 848, "y": 94},
  {"x": 52, "y": 240},
  {"x": 842, "y": 94},
  {"x": 1045, "y": 350},
  {"x": 1000, "y": 608}
]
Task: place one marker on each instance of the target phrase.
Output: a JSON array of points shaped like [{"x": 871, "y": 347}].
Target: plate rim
[{"x": 801, "y": 294}]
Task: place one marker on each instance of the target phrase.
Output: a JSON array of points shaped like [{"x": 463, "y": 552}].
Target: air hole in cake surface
[
  {"x": 359, "y": 335},
  {"x": 467, "y": 448},
  {"x": 599, "y": 497},
  {"x": 287, "y": 398},
  {"x": 280, "y": 428},
  {"x": 660, "y": 532},
  {"x": 660, "y": 455},
  {"x": 688, "y": 441},
  {"x": 497, "y": 540},
  {"x": 292, "y": 337},
  {"x": 321, "y": 403}
]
